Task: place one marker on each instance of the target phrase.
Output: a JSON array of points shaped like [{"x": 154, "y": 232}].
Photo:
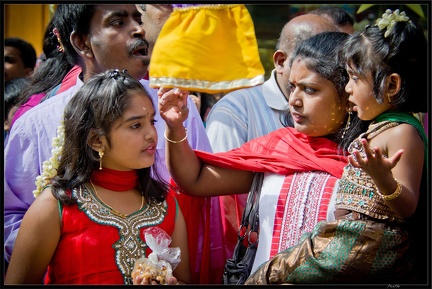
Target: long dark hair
[
  {"x": 97, "y": 105},
  {"x": 58, "y": 62},
  {"x": 321, "y": 56},
  {"x": 73, "y": 18},
  {"x": 403, "y": 51},
  {"x": 53, "y": 68}
]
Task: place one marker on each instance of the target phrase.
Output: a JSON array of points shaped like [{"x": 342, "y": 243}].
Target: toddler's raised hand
[{"x": 374, "y": 164}]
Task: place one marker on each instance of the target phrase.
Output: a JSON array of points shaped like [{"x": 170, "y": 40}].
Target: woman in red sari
[{"x": 301, "y": 163}]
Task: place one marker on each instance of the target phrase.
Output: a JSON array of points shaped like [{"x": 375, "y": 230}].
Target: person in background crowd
[
  {"x": 19, "y": 58},
  {"x": 48, "y": 75},
  {"x": 246, "y": 114},
  {"x": 11, "y": 96},
  {"x": 343, "y": 20},
  {"x": 153, "y": 17},
  {"x": 205, "y": 102}
]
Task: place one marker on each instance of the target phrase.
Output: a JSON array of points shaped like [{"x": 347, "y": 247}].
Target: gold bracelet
[
  {"x": 178, "y": 141},
  {"x": 395, "y": 194}
]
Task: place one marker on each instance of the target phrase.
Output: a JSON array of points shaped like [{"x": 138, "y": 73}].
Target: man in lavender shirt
[{"x": 108, "y": 36}]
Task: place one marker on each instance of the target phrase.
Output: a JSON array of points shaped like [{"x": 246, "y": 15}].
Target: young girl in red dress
[{"x": 87, "y": 224}]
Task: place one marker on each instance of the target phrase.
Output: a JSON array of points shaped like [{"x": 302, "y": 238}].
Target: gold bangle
[
  {"x": 178, "y": 141},
  {"x": 395, "y": 194}
]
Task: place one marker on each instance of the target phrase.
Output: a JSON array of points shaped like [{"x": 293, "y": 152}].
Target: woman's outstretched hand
[{"x": 173, "y": 106}]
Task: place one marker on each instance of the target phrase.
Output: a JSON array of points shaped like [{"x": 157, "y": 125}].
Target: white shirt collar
[{"x": 272, "y": 93}]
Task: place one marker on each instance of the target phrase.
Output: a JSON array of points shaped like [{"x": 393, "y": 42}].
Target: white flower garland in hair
[
  {"x": 50, "y": 166},
  {"x": 389, "y": 20}
]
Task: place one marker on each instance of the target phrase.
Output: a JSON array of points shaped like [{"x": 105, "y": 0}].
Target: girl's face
[
  {"x": 315, "y": 106},
  {"x": 361, "y": 95},
  {"x": 133, "y": 137}
]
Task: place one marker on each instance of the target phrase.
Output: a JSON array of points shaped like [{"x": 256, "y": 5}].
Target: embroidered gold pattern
[
  {"x": 220, "y": 85},
  {"x": 129, "y": 247},
  {"x": 357, "y": 191},
  {"x": 207, "y": 6}
]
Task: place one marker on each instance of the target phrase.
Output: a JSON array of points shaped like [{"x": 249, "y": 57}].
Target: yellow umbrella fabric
[{"x": 207, "y": 48}]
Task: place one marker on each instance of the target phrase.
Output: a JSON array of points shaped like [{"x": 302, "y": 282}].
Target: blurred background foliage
[{"x": 269, "y": 20}]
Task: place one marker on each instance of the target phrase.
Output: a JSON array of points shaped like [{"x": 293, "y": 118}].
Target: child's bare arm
[
  {"x": 405, "y": 164},
  {"x": 36, "y": 242}
]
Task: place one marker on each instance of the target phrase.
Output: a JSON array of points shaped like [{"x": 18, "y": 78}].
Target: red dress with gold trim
[{"x": 99, "y": 247}]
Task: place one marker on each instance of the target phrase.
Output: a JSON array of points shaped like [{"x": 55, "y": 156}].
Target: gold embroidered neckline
[
  {"x": 111, "y": 209},
  {"x": 128, "y": 247}
]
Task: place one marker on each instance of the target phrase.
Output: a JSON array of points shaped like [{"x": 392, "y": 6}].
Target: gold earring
[
  {"x": 101, "y": 154},
  {"x": 60, "y": 47},
  {"x": 348, "y": 123},
  {"x": 389, "y": 98}
]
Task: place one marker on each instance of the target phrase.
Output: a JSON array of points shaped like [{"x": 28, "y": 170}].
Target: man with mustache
[{"x": 97, "y": 38}]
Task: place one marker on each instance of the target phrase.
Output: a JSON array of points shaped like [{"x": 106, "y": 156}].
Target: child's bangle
[
  {"x": 395, "y": 194},
  {"x": 176, "y": 141}
]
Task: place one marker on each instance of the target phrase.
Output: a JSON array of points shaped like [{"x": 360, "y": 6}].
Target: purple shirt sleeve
[
  {"x": 27, "y": 147},
  {"x": 20, "y": 174}
]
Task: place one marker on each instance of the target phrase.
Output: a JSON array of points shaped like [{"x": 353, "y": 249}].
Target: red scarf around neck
[{"x": 115, "y": 180}]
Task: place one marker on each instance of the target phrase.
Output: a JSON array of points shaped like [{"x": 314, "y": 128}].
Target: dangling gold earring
[
  {"x": 101, "y": 154},
  {"x": 389, "y": 98},
  {"x": 348, "y": 123}
]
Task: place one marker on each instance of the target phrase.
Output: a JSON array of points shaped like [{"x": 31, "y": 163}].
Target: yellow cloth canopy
[{"x": 207, "y": 48}]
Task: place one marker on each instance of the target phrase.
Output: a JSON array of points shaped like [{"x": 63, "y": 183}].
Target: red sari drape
[{"x": 284, "y": 151}]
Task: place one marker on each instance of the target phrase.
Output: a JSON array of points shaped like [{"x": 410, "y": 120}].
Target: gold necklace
[{"x": 117, "y": 213}]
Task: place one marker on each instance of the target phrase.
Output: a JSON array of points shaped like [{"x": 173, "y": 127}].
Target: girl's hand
[
  {"x": 138, "y": 280},
  {"x": 172, "y": 281},
  {"x": 374, "y": 164},
  {"x": 173, "y": 106}
]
